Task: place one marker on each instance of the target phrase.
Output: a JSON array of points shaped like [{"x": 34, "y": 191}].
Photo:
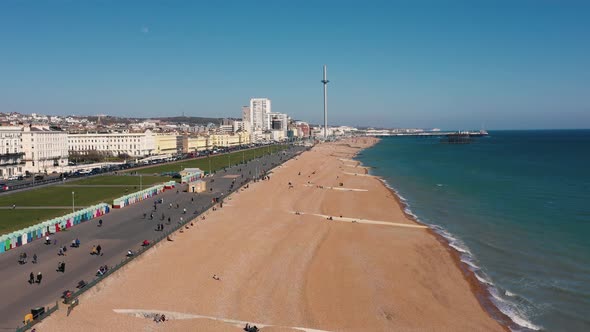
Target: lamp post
[{"x": 73, "y": 202}]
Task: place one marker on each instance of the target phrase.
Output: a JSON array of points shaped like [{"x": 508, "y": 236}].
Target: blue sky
[{"x": 447, "y": 64}]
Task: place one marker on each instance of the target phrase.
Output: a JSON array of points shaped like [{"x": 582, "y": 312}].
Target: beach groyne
[{"x": 300, "y": 269}]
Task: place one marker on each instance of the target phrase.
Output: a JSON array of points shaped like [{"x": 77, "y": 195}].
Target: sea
[{"x": 515, "y": 204}]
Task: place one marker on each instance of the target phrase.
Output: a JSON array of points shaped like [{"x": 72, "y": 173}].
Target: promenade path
[{"x": 122, "y": 229}]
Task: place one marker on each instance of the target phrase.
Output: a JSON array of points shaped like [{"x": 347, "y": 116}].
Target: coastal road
[{"x": 122, "y": 229}]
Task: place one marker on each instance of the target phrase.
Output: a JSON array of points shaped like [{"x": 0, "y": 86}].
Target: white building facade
[
  {"x": 45, "y": 149},
  {"x": 133, "y": 144},
  {"x": 11, "y": 152},
  {"x": 259, "y": 108}
]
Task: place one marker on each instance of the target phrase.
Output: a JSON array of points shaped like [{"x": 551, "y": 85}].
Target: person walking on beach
[
  {"x": 34, "y": 259},
  {"x": 98, "y": 249},
  {"x": 31, "y": 278},
  {"x": 39, "y": 277}
]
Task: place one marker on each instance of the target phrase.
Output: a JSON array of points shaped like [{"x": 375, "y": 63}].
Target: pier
[{"x": 450, "y": 137}]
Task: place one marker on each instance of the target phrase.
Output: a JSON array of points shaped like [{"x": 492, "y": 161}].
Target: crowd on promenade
[{"x": 68, "y": 246}]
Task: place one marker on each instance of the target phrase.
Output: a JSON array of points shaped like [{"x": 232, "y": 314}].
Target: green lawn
[
  {"x": 13, "y": 220},
  {"x": 62, "y": 196},
  {"x": 217, "y": 161},
  {"x": 121, "y": 180}
]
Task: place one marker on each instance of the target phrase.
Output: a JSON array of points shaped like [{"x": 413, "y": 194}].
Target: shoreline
[
  {"x": 305, "y": 264},
  {"x": 480, "y": 291}
]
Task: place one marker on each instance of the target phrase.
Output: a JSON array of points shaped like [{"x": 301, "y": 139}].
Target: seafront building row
[
  {"x": 40, "y": 149},
  {"x": 41, "y": 144}
]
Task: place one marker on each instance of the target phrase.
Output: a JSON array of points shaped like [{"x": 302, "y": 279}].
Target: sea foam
[{"x": 507, "y": 307}]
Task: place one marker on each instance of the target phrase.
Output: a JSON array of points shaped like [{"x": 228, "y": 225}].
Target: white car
[{"x": 12, "y": 178}]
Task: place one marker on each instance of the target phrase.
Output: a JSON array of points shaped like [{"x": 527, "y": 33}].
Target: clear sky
[{"x": 448, "y": 64}]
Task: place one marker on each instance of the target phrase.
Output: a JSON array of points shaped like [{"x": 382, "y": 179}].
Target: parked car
[
  {"x": 39, "y": 177},
  {"x": 3, "y": 187}
]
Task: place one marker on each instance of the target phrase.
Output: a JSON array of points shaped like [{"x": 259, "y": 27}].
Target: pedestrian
[
  {"x": 151, "y": 216},
  {"x": 184, "y": 211},
  {"x": 192, "y": 199},
  {"x": 31, "y": 278},
  {"x": 98, "y": 249},
  {"x": 100, "y": 223},
  {"x": 145, "y": 214},
  {"x": 170, "y": 206},
  {"x": 34, "y": 259},
  {"x": 39, "y": 277}
]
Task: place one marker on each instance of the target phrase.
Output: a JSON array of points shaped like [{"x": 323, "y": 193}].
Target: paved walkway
[
  {"x": 122, "y": 229},
  {"x": 41, "y": 207}
]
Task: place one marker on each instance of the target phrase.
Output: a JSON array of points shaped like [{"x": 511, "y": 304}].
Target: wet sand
[{"x": 293, "y": 270}]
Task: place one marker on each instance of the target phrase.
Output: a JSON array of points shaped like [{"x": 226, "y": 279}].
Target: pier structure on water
[{"x": 451, "y": 137}]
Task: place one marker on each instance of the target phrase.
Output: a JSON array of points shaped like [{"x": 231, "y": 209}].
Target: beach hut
[
  {"x": 24, "y": 237},
  {"x": 7, "y": 242},
  {"x": 13, "y": 240},
  {"x": 2, "y": 247},
  {"x": 31, "y": 234}
]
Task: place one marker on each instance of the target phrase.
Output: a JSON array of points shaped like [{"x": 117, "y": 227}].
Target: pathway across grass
[{"x": 123, "y": 179}]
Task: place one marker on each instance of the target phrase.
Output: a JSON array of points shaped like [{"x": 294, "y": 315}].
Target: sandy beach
[{"x": 282, "y": 263}]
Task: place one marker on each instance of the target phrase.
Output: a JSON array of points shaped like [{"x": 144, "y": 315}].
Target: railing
[
  {"x": 39, "y": 318},
  {"x": 74, "y": 296},
  {"x": 138, "y": 253}
]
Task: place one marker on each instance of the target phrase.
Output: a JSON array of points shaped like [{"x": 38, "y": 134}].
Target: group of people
[
  {"x": 75, "y": 243},
  {"x": 160, "y": 227},
  {"x": 96, "y": 250},
  {"x": 32, "y": 279},
  {"x": 62, "y": 251},
  {"x": 22, "y": 259},
  {"x": 102, "y": 270},
  {"x": 159, "y": 318}
]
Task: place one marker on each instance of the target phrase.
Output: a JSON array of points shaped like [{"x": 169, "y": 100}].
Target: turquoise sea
[{"x": 516, "y": 205}]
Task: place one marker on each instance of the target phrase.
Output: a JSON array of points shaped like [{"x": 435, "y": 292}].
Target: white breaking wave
[{"x": 508, "y": 308}]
